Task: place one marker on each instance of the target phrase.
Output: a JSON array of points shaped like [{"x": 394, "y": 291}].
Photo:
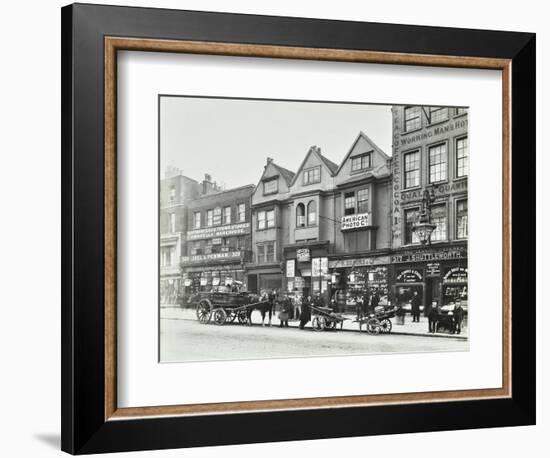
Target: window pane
[
  {"x": 462, "y": 157},
  {"x": 227, "y": 215},
  {"x": 261, "y": 220},
  {"x": 271, "y": 218},
  {"x": 411, "y": 217},
  {"x": 197, "y": 220},
  {"x": 412, "y": 118},
  {"x": 312, "y": 175},
  {"x": 438, "y": 163},
  {"x": 241, "y": 210},
  {"x": 260, "y": 249},
  {"x": 349, "y": 203},
  {"x": 270, "y": 252},
  {"x": 270, "y": 186},
  {"x": 439, "y": 218},
  {"x": 312, "y": 213},
  {"x": 412, "y": 169},
  {"x": 300, "y": 215},
  {"x": 438, "y": 114},
  {"x": 462, "y": 219},
  {"x": 362, "y": 200}
]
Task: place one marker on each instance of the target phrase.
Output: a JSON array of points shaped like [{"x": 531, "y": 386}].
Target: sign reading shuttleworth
[{"x": 354, "y": 221}]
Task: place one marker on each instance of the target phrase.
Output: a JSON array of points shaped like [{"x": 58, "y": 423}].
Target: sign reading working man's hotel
[{"x": 354, "y": 221}]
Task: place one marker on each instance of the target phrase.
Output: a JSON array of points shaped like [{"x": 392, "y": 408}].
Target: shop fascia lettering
[
  {"x": 354, "y": 221},
  {"x": 221, "y": 231},
  {"x": 457, "y": 253},
  {"x": 208, "y": 257}
]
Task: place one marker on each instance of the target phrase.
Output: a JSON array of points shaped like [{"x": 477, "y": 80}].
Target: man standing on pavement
[
  {"x": 305, "y": 316},
  {"x": 415, "y": 307},
  {"x": 458, "y": 316},
  {"x": 433, "y": 317}
]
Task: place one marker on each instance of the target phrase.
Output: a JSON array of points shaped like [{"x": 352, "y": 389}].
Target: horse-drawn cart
[
  {"x": 324, "y": 319},
  {"x": 224, "y": 307},
  {"x": 378, "y": 322}
]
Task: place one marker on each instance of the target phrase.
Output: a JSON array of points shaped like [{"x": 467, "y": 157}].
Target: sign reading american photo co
[{"x": 354, "y": 221}]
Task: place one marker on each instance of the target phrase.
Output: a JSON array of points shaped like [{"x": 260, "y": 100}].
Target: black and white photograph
[{"x": 299, "y": 228}]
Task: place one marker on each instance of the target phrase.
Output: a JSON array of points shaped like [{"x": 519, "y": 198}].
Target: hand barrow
[{"x": 325, "y": 319}]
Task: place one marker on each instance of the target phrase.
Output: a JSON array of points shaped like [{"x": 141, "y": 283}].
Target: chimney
[{"x": 269, "y": 159}]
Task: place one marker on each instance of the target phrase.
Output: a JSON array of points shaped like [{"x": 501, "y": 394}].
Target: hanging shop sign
[
  {"x": 303, "y": 255},
  {"x": 354, "y": 221},
  {"x": 433, "y": 269},
  {"x": 290, "y": 285},
  {"x": 220, "y": 231},
  {"x": 290, "y": 270},
  {"x": 409, "y": 276},
  {"x": 456, "y": 275},
  {"x": 299, "y": 282}
]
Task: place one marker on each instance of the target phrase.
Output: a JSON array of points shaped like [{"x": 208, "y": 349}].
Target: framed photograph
[{"x": 282, "y": 228}]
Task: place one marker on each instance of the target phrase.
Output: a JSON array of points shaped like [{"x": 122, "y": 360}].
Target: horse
[{"x": 264, "y": 305}]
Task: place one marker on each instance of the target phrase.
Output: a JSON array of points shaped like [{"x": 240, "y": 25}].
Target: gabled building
[{"x": 270, "y": 215}]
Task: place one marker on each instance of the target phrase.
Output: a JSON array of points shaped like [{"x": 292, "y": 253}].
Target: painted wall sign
[
  {"x": 433, "y": 269},
  {"x": 439, "y": 254},
  {"x": 316, "y": 267},
  {"x": 220, "y": 231},
  {"x": 409, "y": 276},
  {"x": 354, "y": 221},
  {"x": 456, "y": 275},
  {"x": 358, "y": 262},
  {"x": 214, "y": 256}
]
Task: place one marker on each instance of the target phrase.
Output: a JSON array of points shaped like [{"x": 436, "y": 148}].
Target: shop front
[
  {"x": 306, "y": 270},
  {"x": 438, "y": 274},
  {"x": 203, "y": 273},
  {"x": 354, "y": 278}
]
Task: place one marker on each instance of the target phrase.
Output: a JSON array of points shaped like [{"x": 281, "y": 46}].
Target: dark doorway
[{"x": 253, "y": 283}]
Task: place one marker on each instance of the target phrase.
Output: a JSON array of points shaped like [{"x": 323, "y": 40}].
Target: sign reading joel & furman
[
  {"x": 354, "y": 221},
  {"x": 210, "y": 257},
  {"x": 220, "y": 231}
]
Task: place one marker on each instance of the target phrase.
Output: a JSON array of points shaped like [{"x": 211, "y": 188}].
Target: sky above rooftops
[{"x": 230, "y": 139}]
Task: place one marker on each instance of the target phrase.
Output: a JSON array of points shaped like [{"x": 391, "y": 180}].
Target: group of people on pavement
[
  {"x": 453, "y": 319},
  {"x": 366, "y": 305},
  {"x": 298, "y": 308}
]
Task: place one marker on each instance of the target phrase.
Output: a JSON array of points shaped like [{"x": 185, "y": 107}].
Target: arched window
[
  {"x": 312, "y": 213},
  {"x": 300, "y": 215}
]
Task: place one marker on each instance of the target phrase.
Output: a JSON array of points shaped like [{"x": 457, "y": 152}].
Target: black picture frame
[{"x": 84, "y": 427}]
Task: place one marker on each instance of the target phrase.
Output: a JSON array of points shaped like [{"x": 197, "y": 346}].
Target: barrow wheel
[
  {"x": 330, "y": 324},
  {"x": 318, "y": 323},
  {"x": 243, "y": 317},
  {"x": 372, "y": 326},
  {"x": 203, "y": 312},
  {"x": 219, "y": 316},
  {"x": 385, "y": 326},
  {"x": 231, "y": 317}
]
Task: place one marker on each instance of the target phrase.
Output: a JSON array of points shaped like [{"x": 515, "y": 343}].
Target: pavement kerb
[{"x": 294, "y": 324}]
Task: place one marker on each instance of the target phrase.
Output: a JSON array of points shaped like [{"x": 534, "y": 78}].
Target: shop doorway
[
  {"x": 432, "y": 293},
  {"x": 253, "y": 284}
]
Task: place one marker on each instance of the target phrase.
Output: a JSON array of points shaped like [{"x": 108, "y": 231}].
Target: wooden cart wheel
[
  {"x": 373, "y": 326},
  {"x": 231, "y": 317},
  {"x": 203, "y": 311},
  {"x": 243, "y": 317},
  {"x": 330, "y": 324},
  {"x": 385, "y": 326},
  {"x": 219, "y": 316},
  {"x": 318, "y": 323}
]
